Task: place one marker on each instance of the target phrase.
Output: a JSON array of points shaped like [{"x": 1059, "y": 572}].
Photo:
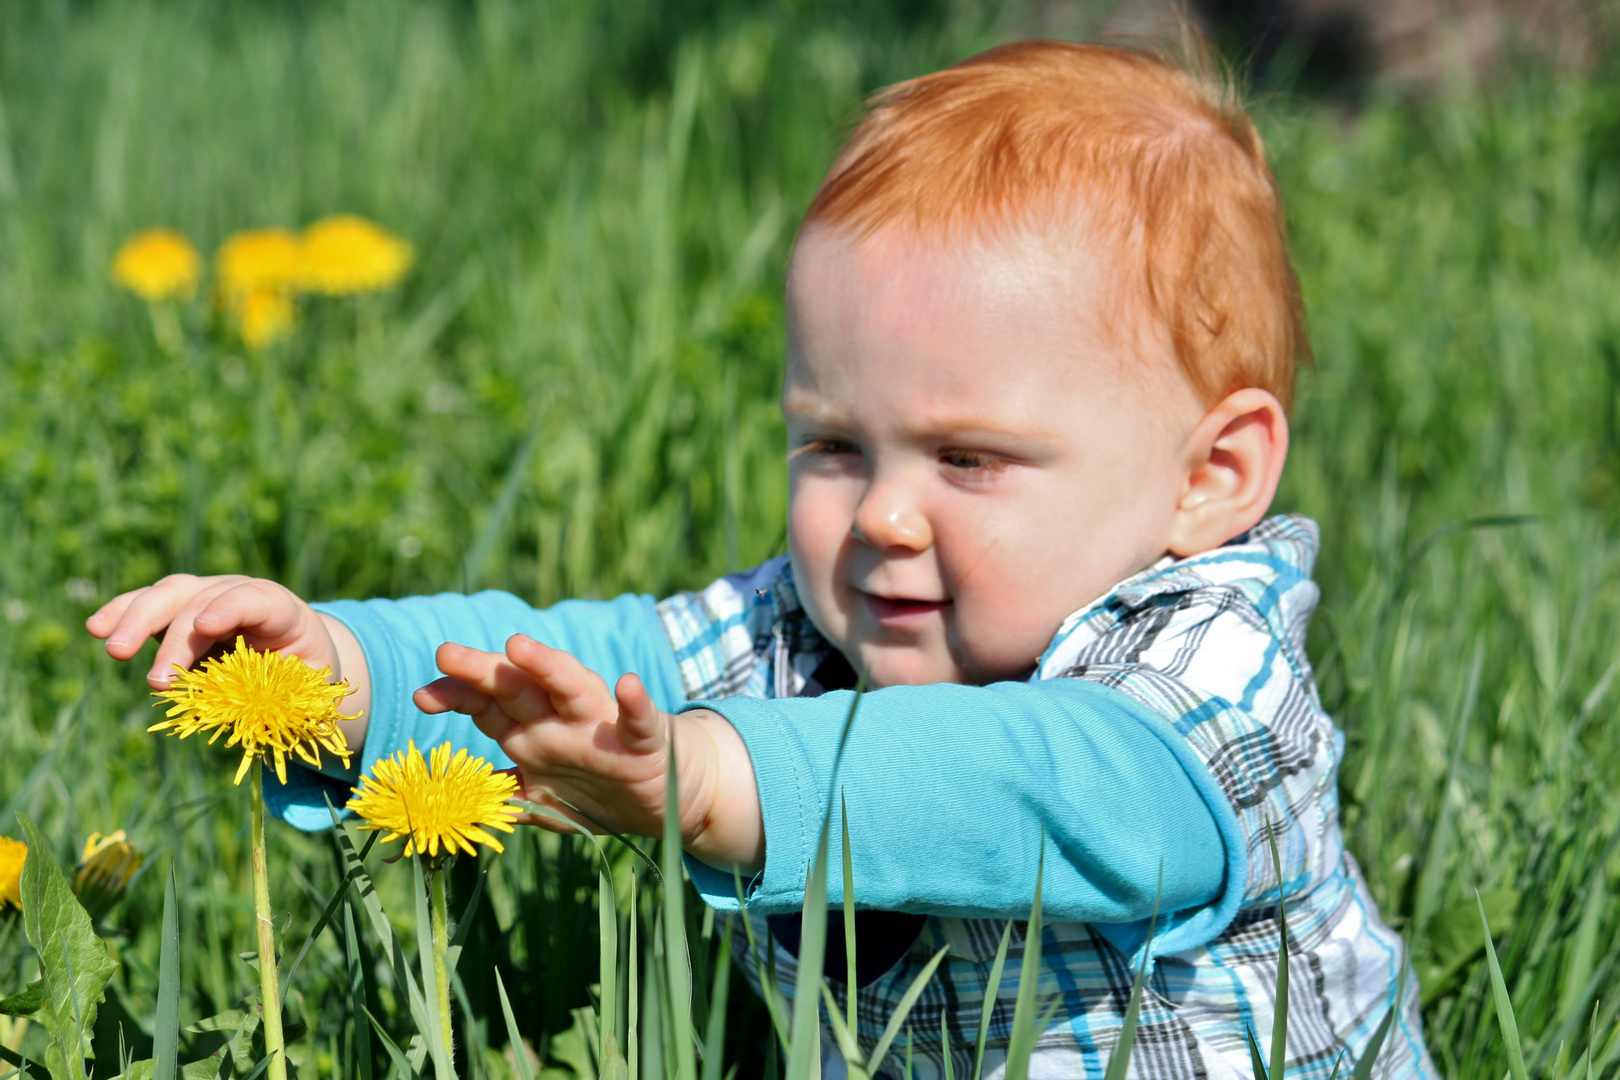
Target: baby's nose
[{"x": 886, "y": 519}]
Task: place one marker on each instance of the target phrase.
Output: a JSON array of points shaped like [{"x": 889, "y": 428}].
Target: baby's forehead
[{"x": 1050, "y": 287}]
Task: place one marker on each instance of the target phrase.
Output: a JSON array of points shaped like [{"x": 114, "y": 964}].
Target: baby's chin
[{"x": 908, "y": 665}]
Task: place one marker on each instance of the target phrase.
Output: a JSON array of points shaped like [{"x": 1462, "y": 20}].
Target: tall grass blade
[
  {"x": 770, "y": 991},
  {"x": 261, "y": 1065},
  {"x": 677, "y": 963},
  {"x": 806, "y": 1040},
  {"x": 992, "y": 987},
  {"x": 632, "y": 993},
  {"x": 330, "y": 910},
  {"x": 357, "y": 993},
  {"x": 850, "y": 992},
  {"x": 1504, "y": 1005},
  {"x": 402, "y": 1064},
  {"x": 1120, "y": 1059},
  {"x": 714, "y": 1039},
  {"x": 355, "y": 870},
  {"x": 903, "y": 1010},
  {"x": 947, "y": 1059},
  {"x": 848, "y": 1044},
  {"x": 804, "y": 1051},
  {"x": 1279, "y": 1022},
  {"x": 166, "y": 1025},
  {"x": 521, "y": 1066},
  {"x": 607, "y": 945},
  {"x": 1021, "y": 1042},
  {"x": 1257, "y": 1063},
  {"x": 1375, "y": 1045}
]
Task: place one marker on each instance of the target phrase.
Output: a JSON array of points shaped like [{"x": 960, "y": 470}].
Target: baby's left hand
[{"x": 605, "y": 751}]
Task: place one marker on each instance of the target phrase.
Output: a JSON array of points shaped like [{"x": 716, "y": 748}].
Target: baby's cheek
[{"x": 1009, "y": 612}]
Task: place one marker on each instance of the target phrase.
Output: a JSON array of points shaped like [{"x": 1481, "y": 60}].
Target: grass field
[{"x": 572, "y": 394}]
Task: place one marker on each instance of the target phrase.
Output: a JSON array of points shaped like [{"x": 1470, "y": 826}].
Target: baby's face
[{"x": 982, "y": 440}]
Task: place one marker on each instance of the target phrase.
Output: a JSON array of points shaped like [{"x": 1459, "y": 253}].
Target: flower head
[
  {"x": 272, "y": 705},
  {"x": 436, "y": 804},
  {"x": 12, "y": 854},
  {"x": 104, "y": 873},
  {"x": 348, "y": 254},
  {"x": 256, "y": 259},
  {"x": 263, "y": 316},
  {"x": 157, "y": 264}
]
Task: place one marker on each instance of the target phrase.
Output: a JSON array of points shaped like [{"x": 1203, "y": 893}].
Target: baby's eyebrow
[
  {"x": 809, "y": 407},
  {"x": 969, "y": 428}
]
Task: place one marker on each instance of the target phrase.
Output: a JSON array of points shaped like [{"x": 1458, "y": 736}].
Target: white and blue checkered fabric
[{"x": 1214, "y": 644}]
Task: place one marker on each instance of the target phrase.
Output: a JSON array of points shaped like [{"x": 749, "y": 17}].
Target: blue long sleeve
[
  {"x": 947, "y": 787},
  {"x": 399, "y": 637}
]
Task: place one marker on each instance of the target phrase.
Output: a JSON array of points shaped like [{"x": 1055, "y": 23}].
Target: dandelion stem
[
  {"x": 441, "y": 950},
  {"x": 269, "y": 988},
  {"x": 166, "y": 326}
]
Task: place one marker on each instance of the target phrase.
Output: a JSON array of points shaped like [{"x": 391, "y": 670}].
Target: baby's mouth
[{"x": 895, "y": 610}]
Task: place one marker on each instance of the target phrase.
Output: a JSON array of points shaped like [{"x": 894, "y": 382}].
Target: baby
[{"x": 1042, "y": 330}]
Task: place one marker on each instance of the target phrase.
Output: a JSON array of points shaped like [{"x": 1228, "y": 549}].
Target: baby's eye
[
  {"x": 827, "y": 447},
  {"x": 972, "y": 460}
]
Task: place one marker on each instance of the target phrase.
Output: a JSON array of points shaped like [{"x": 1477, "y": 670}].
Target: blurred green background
[{"x": 572, "y": 394}]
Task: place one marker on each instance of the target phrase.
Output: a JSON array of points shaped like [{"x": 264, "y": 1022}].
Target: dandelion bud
[
  {"x": 103, "y": 874},
  {"x": 12, "y": 854}
]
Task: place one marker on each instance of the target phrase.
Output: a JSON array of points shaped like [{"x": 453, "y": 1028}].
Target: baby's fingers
[
  {"x": 488, "y": 712},
  {"x": 641, "y": 724},
  {"x": 129, "y": 619},
  {"x": 261, "y": 609},
  {"x": 577, "y": 692},
  {"x": 106, "y": 617},
  {"x": 506, "y": 685},
  {"x": 452, "y": 695}
]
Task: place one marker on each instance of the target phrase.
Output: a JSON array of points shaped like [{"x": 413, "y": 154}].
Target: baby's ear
[{"x": 1234, "y": 458}]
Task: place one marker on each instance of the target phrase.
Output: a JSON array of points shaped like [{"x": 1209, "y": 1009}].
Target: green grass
[{"x": 572, "y": 394}]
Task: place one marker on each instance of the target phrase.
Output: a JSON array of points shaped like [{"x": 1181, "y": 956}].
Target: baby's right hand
[{"x": 193, "y": 613}]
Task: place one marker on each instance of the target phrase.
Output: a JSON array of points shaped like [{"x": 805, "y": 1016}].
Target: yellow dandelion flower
[
  {"x": 347, "y": 254},
  {"x": 436, "y": 804},
  {"x": 263, "y": 316},
  {"x": 272, "y": 705},
  {"x": 158, "y": 264},
  {"x": 12, "y": 854},
  {"x": 256, "y": 259}
]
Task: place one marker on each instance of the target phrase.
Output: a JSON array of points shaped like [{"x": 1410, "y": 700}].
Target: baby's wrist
[
  {"x": 349, "y": 664},
  {"x": 723, "y": 825}
]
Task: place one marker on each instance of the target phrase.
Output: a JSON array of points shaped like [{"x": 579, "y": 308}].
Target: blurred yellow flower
[
  {"x": 437, "y": 804},
  {"x": 104, "y": 873},
  {"x": 158, "y": 264},
  {"x": 256, "y": 259},
  {"x": 12, "y": 854},
  {"x": 347, "y": 254},
  {"x": 263, "y": 316},
  {"x": 272, "y": 705}
]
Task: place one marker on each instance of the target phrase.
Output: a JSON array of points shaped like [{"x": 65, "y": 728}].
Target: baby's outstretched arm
[
  {"x": 194, "y": 613},
  {"x": 606, "y": 751}
]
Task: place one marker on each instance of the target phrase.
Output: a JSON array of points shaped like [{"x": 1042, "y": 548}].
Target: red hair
[{"x": 1165, "y": 163}]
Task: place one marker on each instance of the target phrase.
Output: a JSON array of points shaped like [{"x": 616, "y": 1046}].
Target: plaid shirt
[{"x": 1215, "y": 645}]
